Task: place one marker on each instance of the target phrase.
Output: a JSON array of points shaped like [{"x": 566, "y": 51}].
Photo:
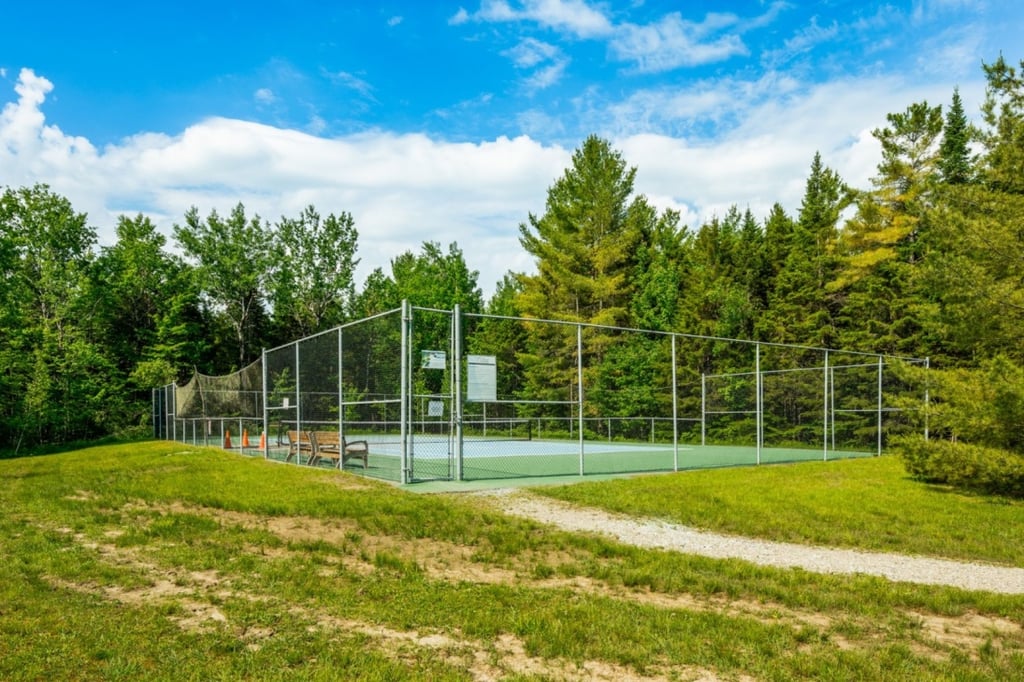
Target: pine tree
[
  {"x": 881, "y": 245},
  {"x": 801, "y": 310},
  {"x": 976, "y": 274},
  {"x": 585, "y": 241},
  {"x": 586, "y": 247},
  {"x": 660, "y": 275},
  {"x": 1003, "y": 113},
  {"x": 956, "y": 164}
]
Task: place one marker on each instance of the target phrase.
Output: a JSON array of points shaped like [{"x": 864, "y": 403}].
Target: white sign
[
  {"x": 435, "y": 408},
  {"x": 482, "y": 372},
  {"x": 433, "y": 359}
]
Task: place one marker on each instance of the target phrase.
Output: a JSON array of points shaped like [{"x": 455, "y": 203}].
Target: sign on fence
[
  {"x": 482, "y": 372},
  {"x": 433, "y": 359}
]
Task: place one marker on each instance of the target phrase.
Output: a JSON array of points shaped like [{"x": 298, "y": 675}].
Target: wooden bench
[
  {"x": 333, "y": 446},
  {"x": 301, "y": 444}
]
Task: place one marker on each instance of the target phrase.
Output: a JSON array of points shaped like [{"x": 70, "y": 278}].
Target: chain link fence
[{"x": 417, "y": 394}]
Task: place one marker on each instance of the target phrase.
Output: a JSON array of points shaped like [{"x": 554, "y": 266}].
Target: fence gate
[{"x": 432, "y": 422}]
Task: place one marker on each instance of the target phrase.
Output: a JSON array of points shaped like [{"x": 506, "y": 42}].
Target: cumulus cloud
[
  {"x": 401, "y": 189},
  {"x": 763, "y": 155},
  {"x": 404, "y": 189}
]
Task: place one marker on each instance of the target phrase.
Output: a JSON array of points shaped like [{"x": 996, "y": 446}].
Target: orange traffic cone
[
  {"x": 227, "y": 440},
  {"x": 245, "y": 438},
  {"x": 263, "y": 441}
]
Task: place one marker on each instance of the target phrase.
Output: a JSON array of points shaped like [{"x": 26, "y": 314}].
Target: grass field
[{"x": 165, "y": 561}]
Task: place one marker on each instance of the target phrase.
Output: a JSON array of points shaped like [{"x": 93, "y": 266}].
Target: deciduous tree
[
  {"x": 312, "y": 272},
  {"x": 232, "y": 261}
]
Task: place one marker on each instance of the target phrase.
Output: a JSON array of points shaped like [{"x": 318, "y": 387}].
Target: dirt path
[{"x": 663, "y": 535}]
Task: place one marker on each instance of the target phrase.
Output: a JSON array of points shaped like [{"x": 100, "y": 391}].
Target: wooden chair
[
  {"x": 331, "y": 445},
  {"x": 300, "y": 444}
]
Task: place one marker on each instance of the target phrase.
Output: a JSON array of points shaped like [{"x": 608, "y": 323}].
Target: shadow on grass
[{"x": 45, "y": 449}]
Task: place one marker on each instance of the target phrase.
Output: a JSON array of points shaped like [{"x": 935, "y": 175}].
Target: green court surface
[{"x": 499, "y": 463}]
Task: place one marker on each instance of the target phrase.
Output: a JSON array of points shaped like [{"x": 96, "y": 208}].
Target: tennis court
[
  {"x": 434, "y": 458},
  {"x": 436, "y": 399}
]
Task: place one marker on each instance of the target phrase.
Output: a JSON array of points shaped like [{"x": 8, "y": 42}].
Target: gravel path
[{"x": 663, "y": 535}]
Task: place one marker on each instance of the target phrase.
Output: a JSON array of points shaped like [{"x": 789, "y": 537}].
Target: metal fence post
[
  {"x": 832, "y": 404},
  {"x": 579, "y": 379},
  {"x": 341, "y": 396},
  {"x": 404, "y": 390},
  {"x": 675, "y": 410},
  {"x": 879, "y": 404},
  {"x": 703, "y": 407},
  {"x": 927, "y": 368},
  {"x": 264, "y": 440},
  {"x": 174, "y": 420},
  {"x": 457, "y": 389},
  {"x": 298, "y": 405},
  {"x": 758, "y": 407},
  {"x": 825, "y": 426}
]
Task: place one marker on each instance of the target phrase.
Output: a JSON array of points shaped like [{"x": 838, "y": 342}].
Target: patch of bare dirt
[
  {"x": 969, "y": 631},
  {"x": 504, "y": 656},
  {"x": 193, "y": 591},
  {"x": 438, "y": 559}
]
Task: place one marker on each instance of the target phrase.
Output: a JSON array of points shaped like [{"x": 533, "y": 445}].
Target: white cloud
[
  {"x": 401, "y": 189},
  {"x": 575, "y": 17},
  {"x": 316, "y": 124},
  {"x": 925, "y": 10},
  {"x": 395, "y": 21},
  {"x": 265, "y": 96},
  {"x": 801, "y": 42},
  {"x": 352, "y": 82},
  {"x": 530, "y": 53},
  {"x": 766, "y": 19},
  {"x": 669, "y": 43},
  {"x": 546, "y": 77},
  {"x": 673, "y": 42},
  {"x": 764, "y": 156},
  {"x": 460, "y": 17},
  {"x": 406, "y": 189},
  {"x": 954, "y": 52}
]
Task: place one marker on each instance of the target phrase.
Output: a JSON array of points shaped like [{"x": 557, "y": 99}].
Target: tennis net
[{"x": 499, "y": 429}]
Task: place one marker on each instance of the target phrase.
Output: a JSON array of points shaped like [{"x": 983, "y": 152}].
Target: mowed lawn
[
  {"x": 859, "y": 503},
  {"x": 162, "y": 561}
]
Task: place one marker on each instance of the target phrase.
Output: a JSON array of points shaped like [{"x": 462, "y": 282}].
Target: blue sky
[{"x": 448, "y": 121}]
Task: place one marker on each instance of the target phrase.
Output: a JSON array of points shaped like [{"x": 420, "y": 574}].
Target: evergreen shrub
[{"x": 964, "y": 465}]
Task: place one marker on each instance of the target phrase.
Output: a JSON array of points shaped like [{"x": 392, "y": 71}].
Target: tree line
[{"x": 927, "y": 261}]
